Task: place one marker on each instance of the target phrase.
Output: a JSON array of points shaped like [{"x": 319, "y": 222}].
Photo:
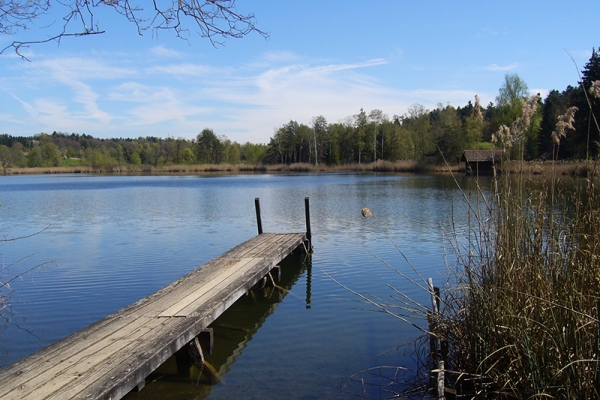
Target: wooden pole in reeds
[{"x": 434, "y": 342}]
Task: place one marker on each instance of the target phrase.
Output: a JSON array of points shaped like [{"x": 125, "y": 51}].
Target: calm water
[{"x": 108, "y": 241}]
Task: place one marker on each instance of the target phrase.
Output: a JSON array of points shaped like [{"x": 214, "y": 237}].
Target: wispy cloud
[
  {"x": 500, "y": 68},
  {"x": 155, "y": 104},
  {"x": 80, "y": 68},
  {"x": 487, "y": 32},
  {"x": 47, "y": 115},
  {"x": 183, "y": 70},
  {"x": 162, "y": 51},
  {"x": 247, "y": 101}
]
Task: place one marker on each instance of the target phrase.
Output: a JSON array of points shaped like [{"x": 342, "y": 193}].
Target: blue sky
[{"x": 323, "y": 57}]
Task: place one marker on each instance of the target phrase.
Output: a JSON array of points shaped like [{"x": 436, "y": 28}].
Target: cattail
[{"x": 366, "y": 212}]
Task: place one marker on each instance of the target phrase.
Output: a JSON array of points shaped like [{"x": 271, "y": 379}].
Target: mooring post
[
  {"x": 258, "y": 220},
  {"x": 435, "y": 341},
  {"x": 308, "y": 233}
]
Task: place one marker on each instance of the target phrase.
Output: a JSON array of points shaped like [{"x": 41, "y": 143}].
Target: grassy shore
[
  {"x": 379, "y": 166},
  {"x": 532, "y": 168}
]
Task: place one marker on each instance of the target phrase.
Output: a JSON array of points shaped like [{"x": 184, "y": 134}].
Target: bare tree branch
[{"x": 215, "y": 20}]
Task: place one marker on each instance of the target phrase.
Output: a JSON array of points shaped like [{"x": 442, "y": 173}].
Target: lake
[{"x": 106, "y": 241}]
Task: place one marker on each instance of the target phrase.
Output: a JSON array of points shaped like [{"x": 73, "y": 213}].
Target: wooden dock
[{"x": 113, "y": 356}]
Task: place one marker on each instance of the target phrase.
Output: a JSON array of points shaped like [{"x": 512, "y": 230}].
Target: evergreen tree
[{"x": 583, "y": 143}]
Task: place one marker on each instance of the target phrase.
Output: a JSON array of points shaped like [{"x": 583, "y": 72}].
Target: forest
[{"x": 421, "y": 135}]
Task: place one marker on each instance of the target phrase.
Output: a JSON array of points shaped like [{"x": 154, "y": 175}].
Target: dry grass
[
  {"x": 52, "y": 170},
  {"x": 124, "y": 169},
  {"x": 552, "y": 168},
  {"x": 379, "y": 166},
  {"x": 580, "y": 168}
]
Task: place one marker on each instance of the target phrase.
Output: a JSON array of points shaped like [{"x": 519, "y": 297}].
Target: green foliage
[
  {"x": 450, "y": 139},
  {"x": 209, "y": 148},
  {"x": 187, "y": 156},
  {"x": 513, "y": 90},
  {"x": 44, "y": 154},
  {"x": 12, "y": 156},
  {"x": 99, "y": 158},
  {"x": 253, "y": 153},
  {"x": 135, "y": 158},
  {"x": 483, "y": 146},
  {"x": 509, "y": 104}
]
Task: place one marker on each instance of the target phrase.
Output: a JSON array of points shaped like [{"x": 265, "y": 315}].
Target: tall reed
[
  {"x": 521, "y": 315},
  {"x": 523, "y": 310}
]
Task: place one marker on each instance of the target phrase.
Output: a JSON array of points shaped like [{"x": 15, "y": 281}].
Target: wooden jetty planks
[{"x": 109, "y": 358}]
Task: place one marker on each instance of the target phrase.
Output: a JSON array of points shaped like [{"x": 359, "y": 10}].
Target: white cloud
[
  {"x": 139, "y": 93},
  {"x": 487, "y": 32},
  {"x": 281, "y": 56},
  {"x": 162, "y": 51},
  {"x": 183, "y": 70},
  {"x": 77, "y": 68},
  {"x": 244, "y": 101},
  {"x": 269, "y": 98},
  {"x": 496, "y": 67}
]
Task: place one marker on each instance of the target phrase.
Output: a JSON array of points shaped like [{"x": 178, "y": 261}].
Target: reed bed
[
  {"x": 521, "y": 312},
  {"x": 580, "y": 168},
  {"x": 551, "y": 168},
  {"x": 379, "y": 166}
]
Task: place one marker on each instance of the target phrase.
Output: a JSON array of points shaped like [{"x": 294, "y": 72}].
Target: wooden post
[
  {"x": 308, "y": 232},
  {"x": 258, "y": 220},
  {"x": 276, "y": 273},
  {"x": 140, "y": 385},
  {"x": 434, "y": 341},
  {"x": 206, "y": 339},
  {"x": 197, "y": 356}
]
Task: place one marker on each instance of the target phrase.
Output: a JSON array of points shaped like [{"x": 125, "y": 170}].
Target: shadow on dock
[{"x": 179, "y": 378}]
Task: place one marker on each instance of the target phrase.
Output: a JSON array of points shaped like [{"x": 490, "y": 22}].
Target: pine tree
[{"x": 583, "y": 143}]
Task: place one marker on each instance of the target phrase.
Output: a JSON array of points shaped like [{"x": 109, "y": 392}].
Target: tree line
[
  {"x": 442, "y": 134},
  {"x": 62, "y": 149},
  {"x": 429, "y": 136}
]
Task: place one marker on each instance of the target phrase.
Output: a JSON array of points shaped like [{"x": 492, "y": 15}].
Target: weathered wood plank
[
  {"x": 111, "y": 357},
  {"x": 228, "y": 271}
]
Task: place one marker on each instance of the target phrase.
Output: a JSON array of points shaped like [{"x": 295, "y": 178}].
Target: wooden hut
[{"x": 481, "y": 161}]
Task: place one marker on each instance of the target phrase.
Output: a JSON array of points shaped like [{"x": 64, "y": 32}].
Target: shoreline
[
  {"x": 379, "y": 166},
  {"x": 572, "y": 168}
]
